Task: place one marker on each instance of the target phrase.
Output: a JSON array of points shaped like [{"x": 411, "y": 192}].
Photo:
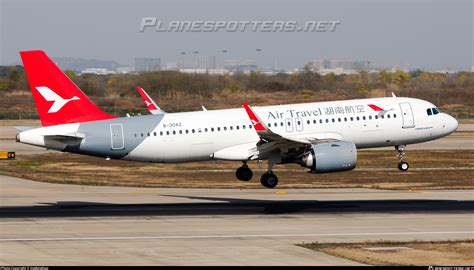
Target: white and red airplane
[{"x": 322, "y": 136}]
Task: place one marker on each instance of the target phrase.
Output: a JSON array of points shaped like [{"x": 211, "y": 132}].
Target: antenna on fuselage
[{"x": 393, "y": 95}]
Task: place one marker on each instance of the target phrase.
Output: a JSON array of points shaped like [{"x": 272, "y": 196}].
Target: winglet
[
  {"x": 256, "y": 122},
  {"x": 150, "y": 104}
]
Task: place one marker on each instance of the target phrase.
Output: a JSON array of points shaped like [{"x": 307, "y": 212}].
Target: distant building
[
  {"x": 171, "y": 65},
  {"x": 242, "y": 68},
  {"x": 211, "y": 71},
  {"x": 124, "y": 70},
  {"x": 147, "y": 64},
  {"x": 318, "y": 64},
  {"x": 472, "y": 68},
  {"x": 339, "y": 66},
  {"x": 336, "y": 71},
  {"x": 97, "y": 71},
  {"x": 207, "y": 62},
  {"x": 80, "y": 64}
]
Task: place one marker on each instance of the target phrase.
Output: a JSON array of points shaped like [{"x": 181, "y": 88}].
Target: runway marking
[
  {"x": 223, "y": 236},
  {"x": 141, "y": 192}
]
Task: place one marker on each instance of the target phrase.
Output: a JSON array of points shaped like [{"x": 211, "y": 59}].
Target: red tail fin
[{"x": 57, "y": 98}]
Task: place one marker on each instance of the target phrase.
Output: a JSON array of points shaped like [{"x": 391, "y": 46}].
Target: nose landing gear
[{"x": 402, "y": 165}]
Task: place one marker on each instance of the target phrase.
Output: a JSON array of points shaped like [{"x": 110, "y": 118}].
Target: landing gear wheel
[
  {"x": 269, "y": 180},
  {"x": 403, "y": 166},
  {"x": 244, "y": 173}
]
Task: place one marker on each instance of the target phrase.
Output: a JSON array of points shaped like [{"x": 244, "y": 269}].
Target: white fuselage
[{"x": 228, "y": 134}]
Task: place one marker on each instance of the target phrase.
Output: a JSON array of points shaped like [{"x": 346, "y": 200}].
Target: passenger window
[
  {"x": 250, "y": 126},
  {"x": 180, "y": 131},
  {"x": 237, "y": 127},
  {"x": 148, "y": 134},
  {"x": 352, "y": 118},
  {"x": 192, "y": 130},
  {"x": 174, "y": 132},
  {"x": 218, "y": 128},
  {"x": 363, "y": 117},
  {"x": 308, "y": 122},
  {"x": 154, "y": 134},
  {"x": 167, "y": 133},
  {"x": 187, "y": 131},
  {"x": 161, "y": 133},
  {"x": 314, "y": 121},
  {"x": 339, "y": 119},
  {"x": 135, "y": 135},
  {"x": 269, "y": 125},
  {"x": 333, "y": 120},
  {"x": 327, "y": 120},
  {"x": 225, "y": 128},
  {"x": 281, "y": 124},
  {"x": 141, "y": 134},
  {"x": 320, "y": 121},
  {"x": 212, "y": 129},
  {"x": 376, "y": 117},
  {"x": 205, "y": 129},
  {"x": 345, "y": 119},
  {"x": 243, "y": 126},
  {"x": 199, "y": 130},
  {"x": 388, "y": 115},
  {"x": 370, "y": 117},
  {"x": 381, "y": 116},
  {"x": 299, "y": 123},
  {"x": 394, "y": 116}
]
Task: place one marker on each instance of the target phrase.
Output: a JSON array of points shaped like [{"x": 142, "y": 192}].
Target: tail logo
[{"x": 50, "y": 95}]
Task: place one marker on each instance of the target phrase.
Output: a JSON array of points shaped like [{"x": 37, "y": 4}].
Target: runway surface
[{"x": 52, "y": 224}]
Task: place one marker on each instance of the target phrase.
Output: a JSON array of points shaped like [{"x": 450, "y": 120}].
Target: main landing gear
[
  {"x": 402, "y": 165},
  {"x": 268, "y": 179},
  {"x": 244, "y": 173}
]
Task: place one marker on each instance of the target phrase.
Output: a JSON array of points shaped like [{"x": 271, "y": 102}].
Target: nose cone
[{"x": 451, "y": 124}]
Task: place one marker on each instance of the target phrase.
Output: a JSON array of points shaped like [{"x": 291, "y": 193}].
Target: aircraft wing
[
  {"x": 289, "y": 147},
  {"x": 149, "y": 102}
]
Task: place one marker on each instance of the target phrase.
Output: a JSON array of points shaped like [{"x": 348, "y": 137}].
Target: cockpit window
[
  {"x": 428, "y": 111},
  {"x": 436, "y": 111}
]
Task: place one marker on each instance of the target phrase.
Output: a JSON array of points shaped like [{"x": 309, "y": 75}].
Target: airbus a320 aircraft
[{"x": 322, "y": 136}]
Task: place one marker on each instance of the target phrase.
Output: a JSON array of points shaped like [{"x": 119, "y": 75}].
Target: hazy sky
[{"x": 426, "y": 34}]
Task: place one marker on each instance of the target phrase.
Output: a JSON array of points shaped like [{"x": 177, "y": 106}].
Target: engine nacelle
[{"x": 334, "y": 156}]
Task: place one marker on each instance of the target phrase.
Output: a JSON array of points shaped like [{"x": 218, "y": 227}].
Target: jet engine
[{"x": 330, "y": 157}]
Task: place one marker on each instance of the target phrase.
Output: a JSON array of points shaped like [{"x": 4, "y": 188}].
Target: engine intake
[{"x": 327, "y": 157}]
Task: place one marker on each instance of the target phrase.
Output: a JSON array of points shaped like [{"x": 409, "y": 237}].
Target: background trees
[{"x": 180, "y": 91}]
